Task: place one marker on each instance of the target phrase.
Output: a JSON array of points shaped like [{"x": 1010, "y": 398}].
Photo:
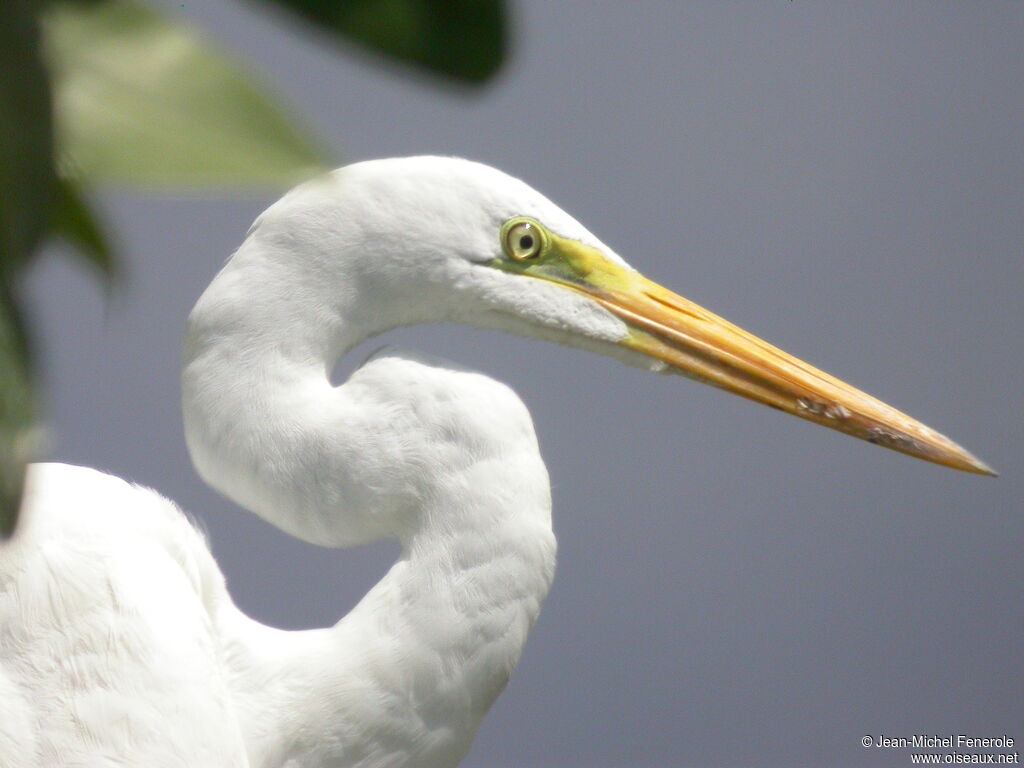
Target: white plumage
[
  {"x": 119, "y": 644},
  {"x": 110, "y": 606}
]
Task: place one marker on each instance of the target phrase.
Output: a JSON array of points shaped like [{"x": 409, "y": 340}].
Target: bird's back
[{"x": 109, "y": 650}]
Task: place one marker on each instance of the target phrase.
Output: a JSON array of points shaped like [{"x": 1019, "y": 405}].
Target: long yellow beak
[
  {"x": 704, "y": 346},
  {"x": 699, "y": 344}
]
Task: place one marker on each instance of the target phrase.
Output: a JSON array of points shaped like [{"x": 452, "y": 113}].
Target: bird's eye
[{"x": 523, "y": 239}]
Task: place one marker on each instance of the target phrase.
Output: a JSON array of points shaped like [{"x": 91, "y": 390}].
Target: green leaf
[
  {"x": 459, "y": 39},
  {"x": 141, "y": 99},
  {"x": 17, "y": 408},
  {"x": 26, "y": 195},
  {"x": 26, "y": 145},
  {"x": 76, "y": 223}
]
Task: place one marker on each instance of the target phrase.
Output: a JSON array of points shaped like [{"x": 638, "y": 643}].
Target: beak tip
[
  {"x": 971, "y": 463},
  {"x": 986, "y": 469}
]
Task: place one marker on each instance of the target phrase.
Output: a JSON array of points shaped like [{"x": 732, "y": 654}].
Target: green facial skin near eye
[{"x": 561, "y": 260}]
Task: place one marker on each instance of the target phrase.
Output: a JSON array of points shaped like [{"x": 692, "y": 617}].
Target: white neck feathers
[{"x": 441, "y": 458}]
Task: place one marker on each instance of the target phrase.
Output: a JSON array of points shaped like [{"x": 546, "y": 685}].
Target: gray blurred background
[{"x": 735, "y": 587}]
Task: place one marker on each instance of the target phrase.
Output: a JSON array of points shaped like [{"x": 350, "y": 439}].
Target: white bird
[{"x": 119, "y": 644}]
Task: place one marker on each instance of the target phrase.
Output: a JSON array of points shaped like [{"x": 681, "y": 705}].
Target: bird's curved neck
[
  {"x": 407, "y": 676},
  {"x": 263, "y": 422},
  {"x": 394, "y": 452}
]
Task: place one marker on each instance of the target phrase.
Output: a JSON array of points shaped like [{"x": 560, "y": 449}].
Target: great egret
[{"x": 118, "y": 640}]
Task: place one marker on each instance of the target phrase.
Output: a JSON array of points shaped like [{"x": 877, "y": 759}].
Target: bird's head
[{"x": 448, "y": 239}]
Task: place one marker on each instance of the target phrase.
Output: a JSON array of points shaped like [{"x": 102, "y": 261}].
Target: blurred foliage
[
  {"x": 74, "y": 222},
  {"x": 27, "y": 192},
  {"x": 26, "y": 173},
  {"x": 17, "y": 410},
  {"x": 460, "y": 39},
  {"x": 134, "y": 97},
  {"x": 141, "y": 99}
]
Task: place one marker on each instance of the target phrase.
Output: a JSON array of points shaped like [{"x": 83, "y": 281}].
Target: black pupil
[{"x": 526, "y": 242}]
